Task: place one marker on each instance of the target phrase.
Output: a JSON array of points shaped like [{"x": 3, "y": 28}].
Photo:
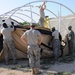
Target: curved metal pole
[
  {"x": 6, "y": 14},
  {"x": 46, "y": 9},
  {"x": 26, "y": 16},
  {"x": 12, "y": 11},
  {"x": 15, "y": 16},
  {"x": 52, "y": 13},
  {"x": 16, "y": 9},
  {"x": 18, "y": 17},
  {"x": 42, "y": 1},
  {"x": 36, "y": 13},
  {"x": 49, "y": 1},
  {"x": 32, "y": 12}
]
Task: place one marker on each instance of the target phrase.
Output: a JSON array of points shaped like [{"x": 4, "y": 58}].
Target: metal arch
[
  {"x": 21, "y": 18},
  {"x": 6, "y": 14},
  {"x": 32, "y": 12},
  {"x": 49, "y": 1},
  {"x": 52, "y": 13},
  {"x": 16, "y": 9},
  {"x": 13, "y": 10},
  {"x": 14, "y": 16},
  {"x": 17, "y": 17},
  {"x": 36, "y": 14},
  {"x": 26, "y": 16},
  {"x": 9, "y": 12},
  {"x": 39, "y": 15}
]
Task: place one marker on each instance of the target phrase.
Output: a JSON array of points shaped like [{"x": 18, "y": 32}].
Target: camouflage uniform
[
  {"x": 9, "y": 45},
  {"x": 56, "y": 44},
  {"x": 33, "y": 47},
  {"x": 1, "y": 42},
  {"x": 34, "y": 56},
  {"x": 71, "y": 42},
  {"x": 42, "y": 16},
  {"x": 56, "y": 48},
  {"x": 41, "y": 22}
]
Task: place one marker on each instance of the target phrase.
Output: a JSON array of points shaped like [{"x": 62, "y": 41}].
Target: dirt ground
[{"x": 48, "y": 67}]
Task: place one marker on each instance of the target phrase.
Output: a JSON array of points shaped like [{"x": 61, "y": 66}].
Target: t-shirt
[
  {"x": 7, "y": 33},
  {"x": 71, "y": 35},
  {"x": 56, "y": 34},
  {"x": 32, "y": 36},
  {"x": 1, "y": 40},
  {"x": 42, "y": 14}
]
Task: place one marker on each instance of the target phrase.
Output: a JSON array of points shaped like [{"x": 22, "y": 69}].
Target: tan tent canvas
[{"x": 22, "y": 50}]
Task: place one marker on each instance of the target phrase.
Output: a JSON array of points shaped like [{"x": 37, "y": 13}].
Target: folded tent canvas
[{"x": 21, "y": 48}]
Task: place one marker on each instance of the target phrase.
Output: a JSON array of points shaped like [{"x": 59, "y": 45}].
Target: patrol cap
[
  {"x": 46, "y": 16},
  {"x": 70, "y": 27},
  {"x": 33, "y": 25},
  {"x": 53, "y": 29},
  {"x": 3, "y": 20}
]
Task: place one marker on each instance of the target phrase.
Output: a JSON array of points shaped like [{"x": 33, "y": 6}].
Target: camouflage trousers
[
  {"x": 56, "y": 48},
  {"x": 41, "y": 22},
  {"x": 9, "y": 45},
  {"x": 71, "y": 48},
  {"x": 34, "y": 56}
]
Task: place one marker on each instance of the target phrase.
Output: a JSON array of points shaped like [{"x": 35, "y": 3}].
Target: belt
[
  {"x": 56, "y": 39},
  {"x": 32, "y": 45}
]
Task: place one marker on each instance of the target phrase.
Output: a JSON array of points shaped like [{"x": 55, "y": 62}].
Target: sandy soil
[{"x": 22, "y": 68}]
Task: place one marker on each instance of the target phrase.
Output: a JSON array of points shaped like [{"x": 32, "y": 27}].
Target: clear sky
[{"x": 7, "y": 5}]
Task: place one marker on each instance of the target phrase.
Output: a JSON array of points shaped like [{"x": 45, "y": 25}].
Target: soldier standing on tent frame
[{"x": 42, "y": 14}]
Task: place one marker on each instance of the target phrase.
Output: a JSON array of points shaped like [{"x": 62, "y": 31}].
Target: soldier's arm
[
  {"x": 44, "y": 5},
  {"x": 24, "y": 40},
  {"x": 40, "y": 39}
]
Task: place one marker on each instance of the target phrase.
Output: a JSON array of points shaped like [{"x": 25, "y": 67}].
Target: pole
[
  {"x": 31, "y": 14},
  {"x": 59, "y": 14}
]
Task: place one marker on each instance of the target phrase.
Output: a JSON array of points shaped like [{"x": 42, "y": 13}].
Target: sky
[{"x": 7, "y": 5}]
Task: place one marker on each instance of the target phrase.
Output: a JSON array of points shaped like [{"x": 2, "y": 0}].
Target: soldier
[
  {"x": 70, "y": 40},
  {"x": 1, "y": 42},
  {"x": 30, "y": 38},
  {"x": 56, "y": 43},
  {"x": 8, "y": 43},
  {"x": 42, "y": 14}
]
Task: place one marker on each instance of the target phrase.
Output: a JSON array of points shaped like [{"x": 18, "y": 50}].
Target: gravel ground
[{"x": 48, "y": 67}]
